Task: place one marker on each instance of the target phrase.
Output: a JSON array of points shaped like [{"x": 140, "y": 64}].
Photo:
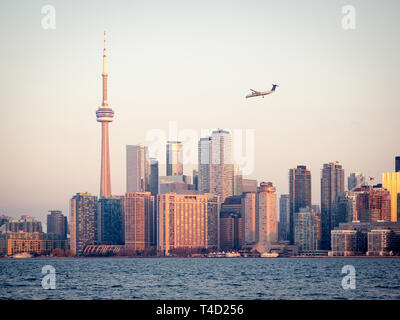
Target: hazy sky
[{"x": 193, "y": 62}]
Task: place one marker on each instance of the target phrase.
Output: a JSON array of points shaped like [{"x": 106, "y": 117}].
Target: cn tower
[{"x": 105, "y": 115}]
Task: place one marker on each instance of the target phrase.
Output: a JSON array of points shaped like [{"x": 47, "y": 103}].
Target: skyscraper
[
  {"x": 391, "y": 182},
  {"x": 284, "y": 217},
  {"x": 137, "y": 168},
  {"x": 57, "y": 223},
  {"x": 221, "y": 175},
  {"x": 139, "y": 220},
  {"x": 105, "y": 115},
  {"x": 153, "y": 176},
  {"x": 299, "y": 194},
  {"x": 174, "y": 158},
  {"x": 83, "y": 219},
  {"x": 355, "y": 180},
  {"x": 267, "y": 224},
  {"x": 248, "y": 213},
  {"x": 332, "y": 183},
  {"x": 204, "y": 155}
]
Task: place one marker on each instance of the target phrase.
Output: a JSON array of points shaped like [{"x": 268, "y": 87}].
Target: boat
[
  {"x": 22, "y": 255},
  {"x": 232, "y": 255},
  {"x": 216, "y": 255},
  {"x": 269, "y": 255}
]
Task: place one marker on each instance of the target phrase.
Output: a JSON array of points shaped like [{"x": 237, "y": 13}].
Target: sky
[{"x": 192, "y": 63}]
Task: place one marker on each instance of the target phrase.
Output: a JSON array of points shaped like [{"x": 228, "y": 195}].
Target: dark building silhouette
[{"x": 299, "y": 194}]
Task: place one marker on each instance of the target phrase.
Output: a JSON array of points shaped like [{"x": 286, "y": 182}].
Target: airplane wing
[{"x": 254, "y": 91}]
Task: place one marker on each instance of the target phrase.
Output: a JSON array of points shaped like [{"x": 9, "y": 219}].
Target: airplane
[{"x": 261, "y": 93}]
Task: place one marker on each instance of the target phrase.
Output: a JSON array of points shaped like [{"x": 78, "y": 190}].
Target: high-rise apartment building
[
  {"x": 343, "y": 208},
  {"x": 83, "y": 221},
  {"x": 57, "y": 223},
  {"x": 249, "y": 185},
  {"x": 284, "y": 217},
  {"x": 267, "y": 224},
  {"x": 332, "y": 183},
  {"x": 306, "y": 229},
  {"x": 137, "y": 168},
  {"x": 299, "y": 194},
  {"x": 187, "y": 222},
  {"x": 110, "y": 221},
  {"x": 248, "y": 214},
  {"x": 139, "y": 220},
  {"x": 174, "y": 158},
  {"x": 25, "y": 223},
  {"x": 397, "y": 164},
  {"x": 231, "y": 222}
]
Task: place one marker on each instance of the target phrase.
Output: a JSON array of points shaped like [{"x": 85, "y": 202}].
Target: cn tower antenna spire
[{"x": 105, "y": 74}]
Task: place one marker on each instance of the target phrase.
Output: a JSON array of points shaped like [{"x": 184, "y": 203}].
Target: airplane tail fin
[{"x": 274, "y": 86}]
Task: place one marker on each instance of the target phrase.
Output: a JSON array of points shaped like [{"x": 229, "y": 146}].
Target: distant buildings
[
  {"x": 187, "y": 222},
  {"x": 342, "y": 209},
  {"x": 332, "y": 183},
  {"x": 57, "y": 223},
  {"x": 137, "y": 168},
  {"x": 355, "y": 180},
  {"x": 139, "y": 221},
  {"x": 25, "y": 224},
  {"x": 372, "y": 204},
  {"x": 249, "y": 185},
  {"x": 174, "y": 158},
  {"x": 299, "y": 194},
  {"x": 83, "y": 221}
]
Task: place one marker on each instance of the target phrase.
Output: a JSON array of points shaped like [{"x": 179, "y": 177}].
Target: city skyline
[{"x": 62, "y": 150}]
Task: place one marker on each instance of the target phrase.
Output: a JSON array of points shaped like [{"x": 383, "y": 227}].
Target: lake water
[{"x": 200, "y": 278}]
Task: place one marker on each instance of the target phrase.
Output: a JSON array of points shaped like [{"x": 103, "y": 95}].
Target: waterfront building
[
  {"x": 110, "y": 221},
  {"x": 231, "y": 231},
  {"x": 383, "y": 242},
  {"x": 307, "y": 230},
  {"x": 83, "y": 222},
  {"x": 30, "y": 242},
  {"x": 140, "y": 221},
  {"x": 187, "y": 221}
]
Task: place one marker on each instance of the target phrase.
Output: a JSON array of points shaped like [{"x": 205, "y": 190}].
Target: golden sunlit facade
[{"x": 391, "y": 182}]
